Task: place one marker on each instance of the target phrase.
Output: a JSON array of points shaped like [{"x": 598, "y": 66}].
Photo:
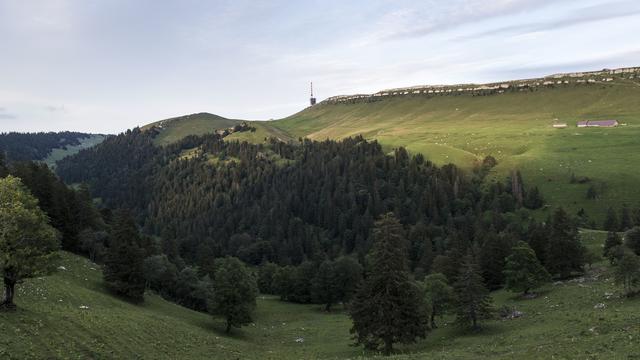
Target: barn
[{"x": 598, "y": 123}]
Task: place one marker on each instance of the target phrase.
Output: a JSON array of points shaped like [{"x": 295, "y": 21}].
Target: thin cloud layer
[{"x": 105, "y": 66}]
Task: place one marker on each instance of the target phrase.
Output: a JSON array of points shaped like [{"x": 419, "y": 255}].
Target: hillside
[
  {"x": 52, "y": 323},
  {"x": 514, "y": 126},
  {"x": 57, "y": 154},
  {"x": 511, "y": 121},
  {"x": 45, "y": 146},
  {"x": 173, "y": 129}
]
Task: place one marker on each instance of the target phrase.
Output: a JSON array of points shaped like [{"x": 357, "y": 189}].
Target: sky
[{"x": 104, "y": 66}]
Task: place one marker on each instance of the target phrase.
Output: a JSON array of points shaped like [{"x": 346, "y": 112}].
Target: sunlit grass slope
[
  {"x": 516, "y": 128},
  {"x": 174, "y": 129}
]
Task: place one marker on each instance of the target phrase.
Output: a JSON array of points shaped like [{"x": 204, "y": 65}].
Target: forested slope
[{"x": 50, "y": 146}]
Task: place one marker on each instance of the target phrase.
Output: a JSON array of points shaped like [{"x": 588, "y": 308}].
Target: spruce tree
[
  {"x": 473, "y": 301},
  {"x": 348, "y": 276},
  {"x": 324, "y": 288},
  {"x": 565, "y": 252},
  {"x": 625, "y": 218},
  {"x": 266, "y": 274},
  {"x": 611, "y": 221},
  {"x": 388, "y": 308},
  {"x": 627, "y": 272},
  {"x": 123, "y": 268},
  {"x": 632, "y": 239},
  {"x": 635, "y": 216},
  {"x": 523, "y": 271}
]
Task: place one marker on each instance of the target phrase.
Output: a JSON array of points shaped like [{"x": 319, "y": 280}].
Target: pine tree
[
  {"x": 635, "y": 216},
  {"x": 534, "y": 199},
  {"x": 495, "y": 249},
  {"x": 625, "y": 218},
  {"x": 266, "y": 274},
  {"x": 565, "y": 252},
  {"x": 324, "y": 288},
  {"x": 348, "y": 276},
  {"x": 439, "y": 295},
  {"x": 27, "y": 242},
  {"x": 632, "y": 239},
  {"x": 123, "y": 268},
  {"x": 523, "y": 271},
  {"x": 388, "y": 308},
  {"x": 627, "y": 272},
  {"x": 473, "y": 301},
  {"x": 4, "y": 170},
  {"x": 611, "y": 221},
  {"x": 234, "y": 293}
]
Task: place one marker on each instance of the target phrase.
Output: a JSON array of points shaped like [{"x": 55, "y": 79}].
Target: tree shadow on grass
[
  {"x": 217, "y": 326},
  {"x": 533, "y": 295}
]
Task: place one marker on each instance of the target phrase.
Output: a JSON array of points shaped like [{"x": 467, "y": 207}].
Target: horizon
[{"x": 105, "y": 67}]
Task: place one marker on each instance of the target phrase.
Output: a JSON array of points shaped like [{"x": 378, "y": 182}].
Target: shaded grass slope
[{"x": 562, "y": 323}]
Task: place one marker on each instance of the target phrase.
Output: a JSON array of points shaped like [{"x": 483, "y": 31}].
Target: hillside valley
[
  {"x": 515, "y": 126},
  {"x": 71, "y": 315}
]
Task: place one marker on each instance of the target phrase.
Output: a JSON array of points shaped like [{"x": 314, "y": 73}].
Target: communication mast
[{"x": 312, "y": 100}]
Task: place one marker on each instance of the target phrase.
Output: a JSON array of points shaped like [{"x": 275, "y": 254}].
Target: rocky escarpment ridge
[{"x": 557, "y": 80}]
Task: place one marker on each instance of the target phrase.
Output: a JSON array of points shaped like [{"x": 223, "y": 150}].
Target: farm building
[
  {"x": 598, "y": 123},
  {"x": 560, "y": 125}
]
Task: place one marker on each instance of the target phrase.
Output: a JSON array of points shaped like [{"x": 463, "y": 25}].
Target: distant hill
[
  {"x": 511, "y": 121},
  {"x": 174, "y": 129},
  {"x": 513, "y": 124},
  {"x": 45, "y": 146}
]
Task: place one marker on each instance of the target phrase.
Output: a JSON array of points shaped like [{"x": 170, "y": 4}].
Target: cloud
[
  {"x": 438, "y": 16},
  {"x": 619, "y": 59},
  {"x": 52, "y": 108},
  {"x": 4, "y": 115},
  {"x": 585, "y": 15}
]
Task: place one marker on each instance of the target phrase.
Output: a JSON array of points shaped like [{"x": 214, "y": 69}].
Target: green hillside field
[
  {"x": 561, "y": 323},
  {"x": 60, "y": 153},
  {"x": 515, "y": 128}
]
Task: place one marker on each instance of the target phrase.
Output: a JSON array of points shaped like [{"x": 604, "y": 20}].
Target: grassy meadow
[
  {"x": 69, "y": 315},
  {"x": 515, "y": 128},
  {"x": 60, "y": 153}
]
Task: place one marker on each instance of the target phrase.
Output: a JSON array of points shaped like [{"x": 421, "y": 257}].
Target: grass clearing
[{"x": 59, "y": 153}]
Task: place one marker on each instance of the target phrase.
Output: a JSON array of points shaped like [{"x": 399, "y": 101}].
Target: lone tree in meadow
[
  {"x": 523, "y": 270},
  {"x": 565, "y": 252},
  {"x": 388, "y": 307},
  {"x": 234, "y": 292},
  {"x": 473, "y": 301},
  {"x": 439, "y": 295},
  {"x": 123, "y": 269},
  {"x": 27, "y": 242}
]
